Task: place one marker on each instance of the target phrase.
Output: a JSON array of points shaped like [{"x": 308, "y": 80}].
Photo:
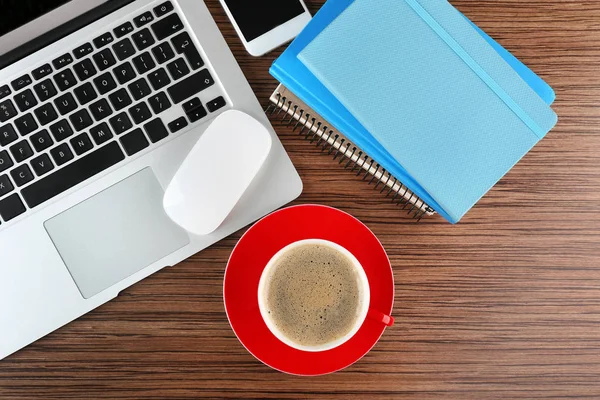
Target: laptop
[{"x": 92, "y": 129}]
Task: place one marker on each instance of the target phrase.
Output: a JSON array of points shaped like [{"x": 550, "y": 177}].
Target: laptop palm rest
[{"x": 116, "y": 233}]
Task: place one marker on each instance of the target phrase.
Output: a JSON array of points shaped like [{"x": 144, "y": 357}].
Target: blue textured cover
[
  {"x": 448, "y": 173},
  {"x": 538, "y": 84}
]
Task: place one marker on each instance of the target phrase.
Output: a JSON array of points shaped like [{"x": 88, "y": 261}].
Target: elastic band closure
[{"x": 462, "y": 53}]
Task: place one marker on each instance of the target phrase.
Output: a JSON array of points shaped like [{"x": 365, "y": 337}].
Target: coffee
[{"x": 313, "y": 294}]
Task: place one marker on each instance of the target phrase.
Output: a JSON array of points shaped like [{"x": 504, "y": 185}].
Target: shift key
[{"x": 191, "y": 86}]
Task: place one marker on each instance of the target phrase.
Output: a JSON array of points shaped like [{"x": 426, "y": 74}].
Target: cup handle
[{"x": 378, "y": 316}]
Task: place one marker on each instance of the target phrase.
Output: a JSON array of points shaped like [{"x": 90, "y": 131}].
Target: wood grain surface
[{"x": 504, "y": 305}]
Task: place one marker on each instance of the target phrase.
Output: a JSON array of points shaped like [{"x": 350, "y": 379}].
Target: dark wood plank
[{"x": 504, "y": 305}]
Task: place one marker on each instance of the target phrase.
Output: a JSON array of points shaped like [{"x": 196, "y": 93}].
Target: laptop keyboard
[{"x": 88, "y": 110}]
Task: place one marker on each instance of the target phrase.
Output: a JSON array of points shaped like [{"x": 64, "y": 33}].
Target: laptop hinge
[{"x": 61, "y": 31}]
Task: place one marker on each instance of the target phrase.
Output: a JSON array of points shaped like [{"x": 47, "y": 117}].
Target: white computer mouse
[{"x": 217, "y": 172}]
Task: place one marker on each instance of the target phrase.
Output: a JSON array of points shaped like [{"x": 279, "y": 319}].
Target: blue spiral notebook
[{"x": 414, "y": 96}]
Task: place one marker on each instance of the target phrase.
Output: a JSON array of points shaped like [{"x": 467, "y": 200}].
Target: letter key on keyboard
[{"x": 22, "y": 175}]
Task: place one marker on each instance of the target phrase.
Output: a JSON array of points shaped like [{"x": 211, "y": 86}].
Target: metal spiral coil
[{"x": 317, "y": 131}]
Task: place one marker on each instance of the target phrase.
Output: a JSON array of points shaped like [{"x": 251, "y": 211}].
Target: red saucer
[{"x": 260, "y": 243}]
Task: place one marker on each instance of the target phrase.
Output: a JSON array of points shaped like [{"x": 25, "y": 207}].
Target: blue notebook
[{"x": 442, "y": 110}]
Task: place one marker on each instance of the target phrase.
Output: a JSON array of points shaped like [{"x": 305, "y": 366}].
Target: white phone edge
[{"x": 274, "y": 38}]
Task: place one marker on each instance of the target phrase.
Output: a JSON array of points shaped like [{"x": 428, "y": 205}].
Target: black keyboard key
[
  {"x": 123, "y": 49},
  {"x": 81, "y": 120},
  {"x": 197, "y": 114},
  {"x": 140, "y": 89},
  {"x": 85, "y": 93},
  {"x": 167, "y": 26},
  {"x": 134, "y": 142},
  {"x": 42, "y": 72},
  {"x": 183, "y": 45},
  {"x": 22, "y": 175},
  {"x": 120, "y": 99},
  {"x": 5, "y": 161},
  {"x": 105, "y": 59},
  {"x": 159, "y": 79},
  {"x": 25, "y": 100},
  {"x": 159, "y": 102},
  {"x": 103, "y": 40},
  {"x": 65, "y": 80},
  {"x": 82, "y": 144},
  {"x": 178, "y": 124},
  {"x": 7, "y": 135},
  {"x": 143, "y": 39},
  {"x": 216, "y": 104},
  {"x": 26, "y": 124},
  {"x": 73, "y": 174},
  {"x": 62, "y": 154},
  {"x": 21, "y": 82},
  {"x": 101, "y": 133},
  {"x": 21, "y": 151},
  {"x": 101, "y": 109},
  {"x": 163, "y": 9},
  {"x": 6, "y": 185},
  {"x": 85, "y": 69},
  {"x": 191, "y": 105},
  {"x": 7, "y": 110},
  {"x": 61, "y": 130},
  {"x": 143, "y": 19},
  {"x": 41, "y": 140},
  {"x": 4, "y": 91},
  {"x": 121, "y": 123},
  {"x": 42, "y": 164},
  {"x": 124, "y": 73},
  {"x": 83, "y": 50},
  {"x": 178, "y": 69},
  {"x": 123, "y": 30},
  {"x": 46, "y": 114},
  {"x": 163, "y": 52},
  {"x": 65, "y": 103},
  {"x": 140, "y": 113},
  {"x": 45, "y": 90},
  {"x": 144, "y": 63},
  {"x": 190, "y": 86},
  {"x": 11, "y": 207},
  {"x": 62, "y": 61},
  {"x": 105, "y": 83},
  {"x": 156, "y": 130},
  {"x": 194, "y": 58}
]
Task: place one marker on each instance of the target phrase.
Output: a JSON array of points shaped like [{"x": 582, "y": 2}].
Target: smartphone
[{"x": 264, "y": 25}]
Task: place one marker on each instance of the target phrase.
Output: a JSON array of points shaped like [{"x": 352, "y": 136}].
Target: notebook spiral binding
[{"x": 330, "y": 140}]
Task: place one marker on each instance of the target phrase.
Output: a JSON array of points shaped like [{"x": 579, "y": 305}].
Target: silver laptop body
[{"x": 68, "y": 247}]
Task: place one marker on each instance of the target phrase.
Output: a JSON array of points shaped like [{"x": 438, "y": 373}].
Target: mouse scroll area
[{"x": 217, "y": 172}]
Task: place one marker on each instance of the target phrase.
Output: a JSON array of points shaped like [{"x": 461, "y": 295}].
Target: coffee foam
[{"x": 313, "y": 294}]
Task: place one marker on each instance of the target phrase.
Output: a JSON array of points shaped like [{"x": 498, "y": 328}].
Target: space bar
[{"x": 72, "y": 175}]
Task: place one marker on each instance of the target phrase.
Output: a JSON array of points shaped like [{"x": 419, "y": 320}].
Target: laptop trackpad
[{"x": 116, "y": 233}]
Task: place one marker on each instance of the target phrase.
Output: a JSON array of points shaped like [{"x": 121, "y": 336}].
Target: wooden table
[{"x": 504, "y": 305}]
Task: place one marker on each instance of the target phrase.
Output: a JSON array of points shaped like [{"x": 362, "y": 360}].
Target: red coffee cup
[{"x": 261, "y": 243}]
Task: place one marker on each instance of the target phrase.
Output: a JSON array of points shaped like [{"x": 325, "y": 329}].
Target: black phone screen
[{"x": 257, "y": 17}]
